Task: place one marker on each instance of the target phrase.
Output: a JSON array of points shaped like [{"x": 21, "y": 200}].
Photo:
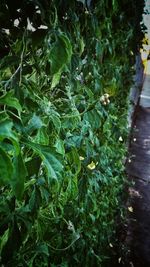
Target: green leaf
[
  {"x": 13, "y": 243},
  {"x": 33, "y": 166},
  {"x": 35, "y": 200},
  {"x": 60, "y": 147},
  {"x": 94, "y": 118},
  {"x": 42, "y": 137},
  {"x": 34, "y": 123},
  {"x": 9, "y": 100},
  {"x": 3, "y": 116},
  {"x": 6, "y": 167},
  {"x": 60, "y": 53},
  {"x": 6, "y": 132},
  {"x": 56, "y": 79},
  {"x": 4, "y": 239},
  {"x": 56, "y": 121},
  {"x": 51, "y": 159},
  {"x": 42, "y": 249},
  {"x": 19, "y": 175},
  {"x": 74, "y": 160},
  {"x": 9, "y": 61},
  {"x": 82, "y": 46}
]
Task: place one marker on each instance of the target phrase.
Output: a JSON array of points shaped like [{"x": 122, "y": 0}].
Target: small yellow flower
[
  {"x": 130, "y": 209},
  {"x": 91, "y": 166}
]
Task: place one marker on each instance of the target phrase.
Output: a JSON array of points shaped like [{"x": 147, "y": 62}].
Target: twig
[{"x": 19, "y": 67}]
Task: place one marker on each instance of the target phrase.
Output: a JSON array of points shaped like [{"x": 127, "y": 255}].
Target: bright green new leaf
[
  {"x": 4, "y": 239},
  {"x": 11, "y": 101},
  {"x": 60, "y": 147},
  {"x": 42, "y": 137},
  {"x": 56, "y": 79},
  {"x": 6, "y": 168},
  {"x": 82, "y": 45}
]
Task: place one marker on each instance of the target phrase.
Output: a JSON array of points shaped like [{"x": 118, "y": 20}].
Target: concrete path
[
  {"x": 139, "y": 150},
  {"x": 145, "y": 95},
  {"x": 138, "y": 169}
]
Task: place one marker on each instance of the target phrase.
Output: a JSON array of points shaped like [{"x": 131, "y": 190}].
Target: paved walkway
[
  {"x": 145, "y": 95},
  {"x": 138, "y": 169},
  {"x": 139, "y": 151}
]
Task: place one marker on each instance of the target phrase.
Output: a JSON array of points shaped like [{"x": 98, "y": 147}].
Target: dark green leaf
[
  {"x": 35, "y": 200},
  {"x": 51, "y": 159},
  {"x": 19, "y": 175},
  {"x": 42, "y": 249},
  {"x": 60, "y": 53},
  {"x": 6, "y": 168},
  {"x": 38, "y": 37},
  {"x": 9, "y": 100},
  {"x": 6, "y": 132},
  {"x": 9, "y": 61}
]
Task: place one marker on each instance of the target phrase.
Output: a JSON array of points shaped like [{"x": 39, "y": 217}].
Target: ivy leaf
[
  {"x": 6, "y": 168},
  {"x": 11, "y": 101},
  {"x": 19, "y": 175},
  {"x": 51, "y": 159}
]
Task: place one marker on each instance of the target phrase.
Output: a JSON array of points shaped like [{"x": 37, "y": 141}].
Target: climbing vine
[{"x": 66, "y": 68}]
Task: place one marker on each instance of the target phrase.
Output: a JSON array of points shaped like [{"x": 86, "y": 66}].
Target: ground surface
[{"x": 138, "y": 169}]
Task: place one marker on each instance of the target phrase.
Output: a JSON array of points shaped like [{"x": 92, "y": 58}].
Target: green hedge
[{"x": 63, "y": 128}]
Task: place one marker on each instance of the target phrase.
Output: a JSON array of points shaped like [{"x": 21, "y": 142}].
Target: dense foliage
[{"x": 61, "y": 146}]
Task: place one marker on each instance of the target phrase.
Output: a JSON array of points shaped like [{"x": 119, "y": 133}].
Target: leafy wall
[{"x": 62, "y": 141}]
